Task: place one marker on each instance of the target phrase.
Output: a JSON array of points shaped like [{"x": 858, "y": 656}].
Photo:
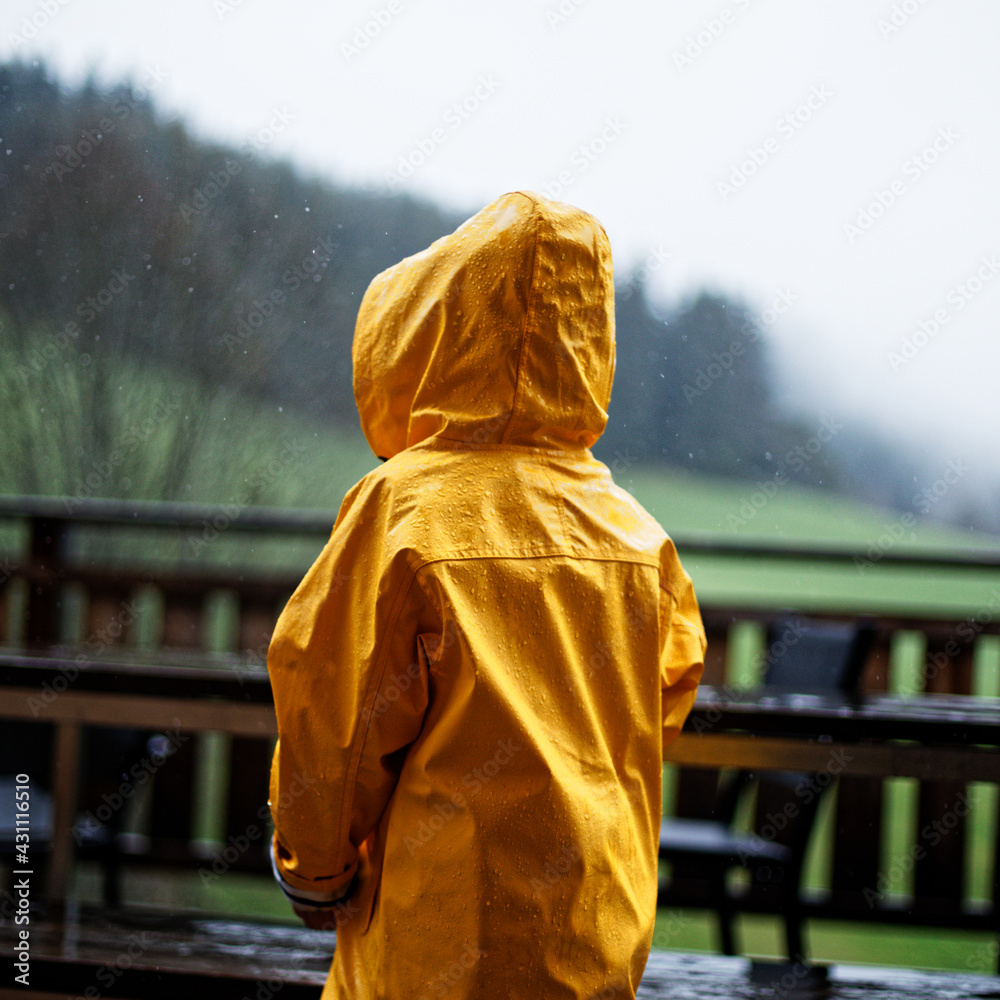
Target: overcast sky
[{"x": 841, "y": 156}]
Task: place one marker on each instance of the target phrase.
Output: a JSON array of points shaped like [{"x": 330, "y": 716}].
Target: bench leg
[
  {"x": 726, "y": 914},
  {"x": 793, "y": 935},
  {"x": 112, "y": 877},
  {"x": 64, "y": 786},
  {"x": 726, "y": 936}
]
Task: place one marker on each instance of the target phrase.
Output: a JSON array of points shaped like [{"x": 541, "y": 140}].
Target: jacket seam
[
  {"x": 525, "y": 335},
  {"x": 343, "y": 825},
  {"x": 668, "y": 591},
  {"x": 548, "y": 554},
  {"x": 449, "y": 446},
  {"x": 684, "y": 623},
  {"x": 560, "y": 504}
]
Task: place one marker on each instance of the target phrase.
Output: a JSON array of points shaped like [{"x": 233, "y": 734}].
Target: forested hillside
[{"x": 160, "y": 294}]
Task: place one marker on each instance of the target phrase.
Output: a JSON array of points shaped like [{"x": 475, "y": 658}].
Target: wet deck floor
[{"x": 143, "y": 956}]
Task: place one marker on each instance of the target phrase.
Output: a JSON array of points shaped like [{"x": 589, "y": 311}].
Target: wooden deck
[{"x": 153, "y": 956}]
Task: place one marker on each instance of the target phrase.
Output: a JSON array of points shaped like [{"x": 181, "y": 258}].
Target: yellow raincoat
[{"x": 475, "y": 681}]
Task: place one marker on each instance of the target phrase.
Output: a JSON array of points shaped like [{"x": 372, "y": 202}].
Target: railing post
[
  {"x": 65, "y": 782},
  {"x": 47, "y": 565}
]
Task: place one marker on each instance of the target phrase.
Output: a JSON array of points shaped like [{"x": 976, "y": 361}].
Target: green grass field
[
  {"x": 832, "y": 941},
  {"x": 689, "y": 505}
]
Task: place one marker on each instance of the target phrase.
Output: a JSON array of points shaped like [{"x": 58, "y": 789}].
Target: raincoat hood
[{"x": 500, "y": 333}]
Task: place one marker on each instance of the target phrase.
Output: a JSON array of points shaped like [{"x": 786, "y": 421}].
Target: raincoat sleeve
[
  {"x": 682, "y": 647},
  {"x": 348, "y": 636}
]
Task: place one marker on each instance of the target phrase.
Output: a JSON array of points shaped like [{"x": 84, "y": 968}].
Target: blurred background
[{"x": 801, "y": 200}]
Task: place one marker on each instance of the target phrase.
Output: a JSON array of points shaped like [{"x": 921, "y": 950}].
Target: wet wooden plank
[
  {"x": 146, "y": 955},
  {"x": 773, "y": 753},
  {"x": 239, "y": 719},
  {"x": 150, "y": 956}
]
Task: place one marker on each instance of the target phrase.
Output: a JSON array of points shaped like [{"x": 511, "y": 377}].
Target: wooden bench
[
  {"x": 933, "y": 741},
  {"x": 175, "y": 700}
]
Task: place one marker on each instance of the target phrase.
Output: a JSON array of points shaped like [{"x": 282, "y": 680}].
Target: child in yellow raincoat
[{"x": 475, "y": 682}]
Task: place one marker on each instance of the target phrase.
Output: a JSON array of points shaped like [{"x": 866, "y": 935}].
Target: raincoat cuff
[{"x": 304, "y": 897}]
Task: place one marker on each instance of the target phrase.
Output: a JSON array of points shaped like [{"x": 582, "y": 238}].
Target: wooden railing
[{"x": 85, "y": 583}]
